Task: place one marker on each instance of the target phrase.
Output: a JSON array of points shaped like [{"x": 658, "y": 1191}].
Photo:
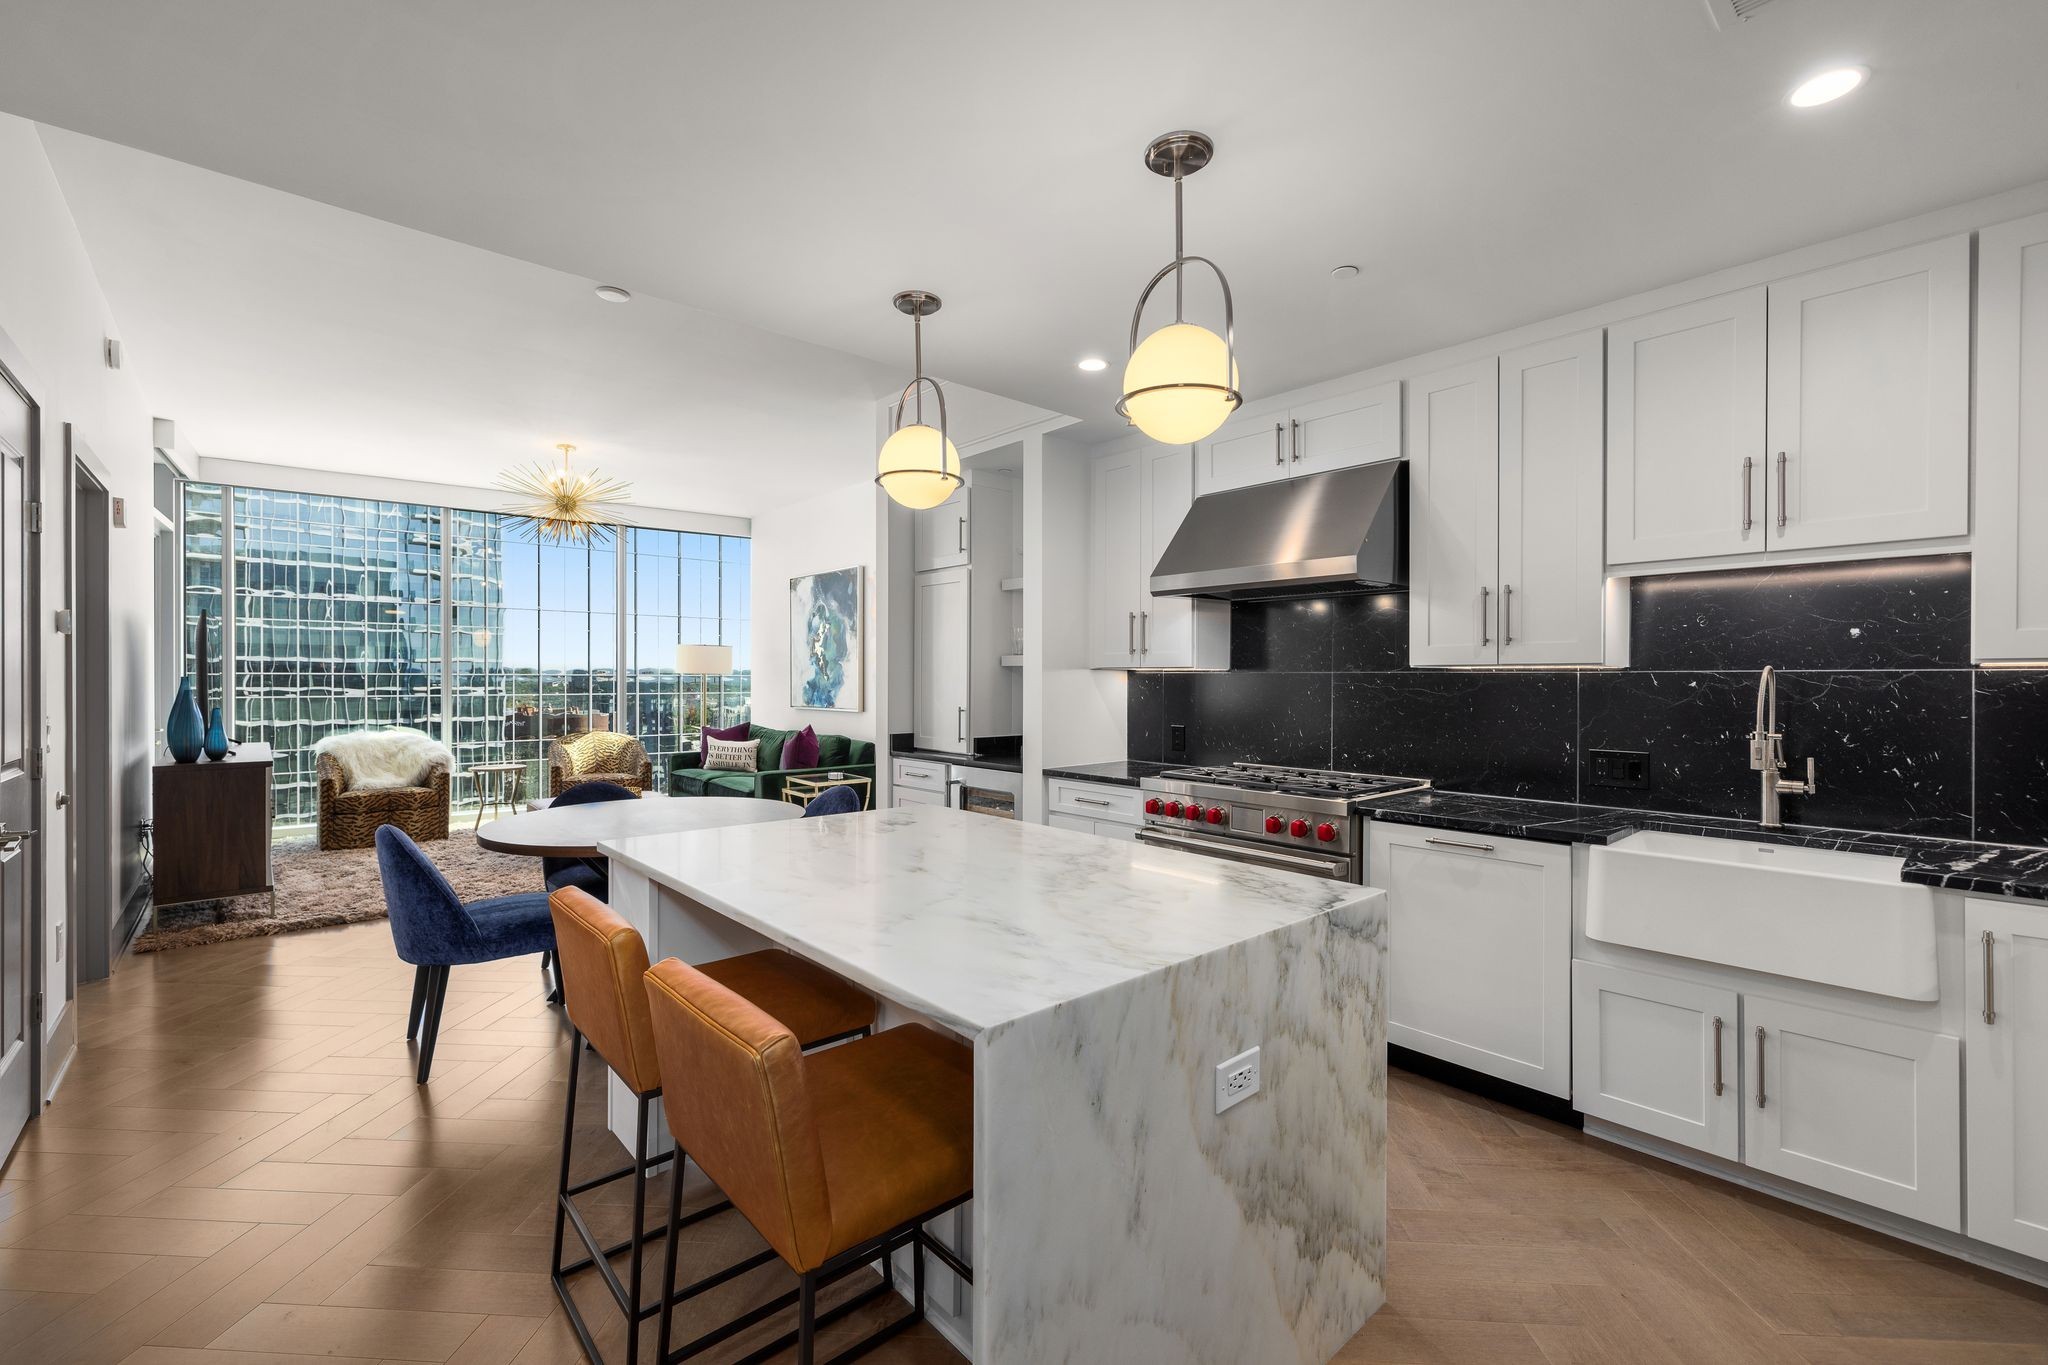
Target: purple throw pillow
[
  {"x": 800, "y": 750},
  {"x": 744, "y": 730}
]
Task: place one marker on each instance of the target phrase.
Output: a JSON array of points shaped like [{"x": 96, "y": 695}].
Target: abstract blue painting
[{"x": 827, "y": 661}]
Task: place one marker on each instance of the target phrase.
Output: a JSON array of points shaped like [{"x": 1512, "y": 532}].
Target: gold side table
[
  {"x": 497, "y": 785},
  {"x": 801, "y": 791}
]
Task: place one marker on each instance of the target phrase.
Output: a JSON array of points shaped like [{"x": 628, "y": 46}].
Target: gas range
[{"x": 1297, "y": 819}]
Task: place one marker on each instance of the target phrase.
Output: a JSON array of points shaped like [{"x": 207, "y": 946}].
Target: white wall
[
  {"x": 833, "y": 529},
  {"x": 54, "y": 319}
]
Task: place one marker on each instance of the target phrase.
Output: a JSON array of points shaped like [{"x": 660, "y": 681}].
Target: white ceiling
[{"x": 1487, "y": 162}]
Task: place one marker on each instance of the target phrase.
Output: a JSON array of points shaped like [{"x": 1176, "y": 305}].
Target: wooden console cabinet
[{"x": 212, "y": 828}]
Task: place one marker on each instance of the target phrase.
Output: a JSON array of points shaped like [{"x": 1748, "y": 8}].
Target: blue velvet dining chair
[
  {"x": 434, "y": 930},
  {"x": 585, "y": 874},
  {"x": 834, "y": 801}
]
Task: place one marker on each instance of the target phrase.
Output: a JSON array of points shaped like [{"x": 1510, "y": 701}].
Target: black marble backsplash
[{"x": 1875, "y": 683}]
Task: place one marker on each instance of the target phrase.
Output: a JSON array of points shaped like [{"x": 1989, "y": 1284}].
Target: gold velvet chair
[{"x": 599, "y": 756}]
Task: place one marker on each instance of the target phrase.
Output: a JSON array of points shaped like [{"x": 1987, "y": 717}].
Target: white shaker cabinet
[
  {"x": 1479, "y": 951},
  {"x": 1454, "y": 526},
  {"x": 942, "y": 537},
  {"x": 1305, "y": 438},
  {"x": 1658, "y": 1054},
  {"x": 1138, "y": 500},
  {"x": 2009, "y": 563},
  {"x": 1868, "y": 427},
  {"x": 940, "y": 633},
  {"x": 2005, "y": 952},
  {"x": 1685, "y": 431}
]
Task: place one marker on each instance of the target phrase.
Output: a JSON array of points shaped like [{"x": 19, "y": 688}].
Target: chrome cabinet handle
[
  {"x": 1294, "y": 440},
  {"x": 1089, "y": 801},
  {"x": 963, "y": 723},
  {"x": 1781, "y": 490},
  {"x": 1748, "y": 476},
  {"x": 1459, "y": 843},
  {"x": 1990, "y": 1014},
  {"x": 1759, "y": 1066},
  {"x": 1131, "y": 635},
  {"x": 1484, "y": 594},
  {"x": 1507, "y": 614},
  {"x": 1718, "y": 1087},
  {"x": 960, "y": 543},
  {"x": 1144, "y": 633},
  {"x": 1278, "y": 458}
]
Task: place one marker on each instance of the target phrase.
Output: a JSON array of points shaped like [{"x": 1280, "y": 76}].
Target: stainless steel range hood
[{"x": 1344, "y": 531}]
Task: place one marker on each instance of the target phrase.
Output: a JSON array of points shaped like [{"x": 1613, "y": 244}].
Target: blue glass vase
[
  {"x": 216, "y": 737},
  {"x": 185, "y": 731}
]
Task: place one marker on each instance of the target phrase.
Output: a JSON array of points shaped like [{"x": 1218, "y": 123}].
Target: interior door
[
  {"x": 1552, "y": 572},
  {"x": 940, "y": 632},
  {"x": 1454, "y": 523},
  {"x": 18, "y": 418}
]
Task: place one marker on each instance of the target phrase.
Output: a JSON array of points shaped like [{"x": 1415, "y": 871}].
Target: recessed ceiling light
[
  {"x": 1827, "y": 85},
  {"x": 1094, "y": 363},
  {"x": 1344, "y": 272},
  {"x": 611, "y": 293}
]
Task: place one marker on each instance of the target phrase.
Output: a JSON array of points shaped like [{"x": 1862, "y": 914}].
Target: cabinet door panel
[
  {"x": 2008, "y": 1076},
  {"x": 1865, "y": 1110},
  {"x": 2009, "y": 561},
  {"x": 938, "y": 535},
  {"x": 940, "y": 644},
  {"x": 1244, "y": 452},
  {"x": 1480, "y": 952},
  {"x": 1552, "y": 570},
  {"x": 1454, "y": 527},
  {"x": 1685, "y": 408},
  {"x": 1869, "y": 400},
  {"x": 1166, "y": 625},
  {"x": 1646, "y": 1053},
  {"x": 1352, "y": 429},
  {"x": 1114, "y": 541}
]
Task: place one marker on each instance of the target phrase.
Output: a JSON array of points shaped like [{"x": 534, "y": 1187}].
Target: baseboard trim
[
  {"x": 134, "y": 918},
  {"x": 1552, "y": 1107},
  {"x": 1862, "y": 1215}
]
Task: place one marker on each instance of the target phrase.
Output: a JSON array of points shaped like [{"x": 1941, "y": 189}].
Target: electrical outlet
[
  {"x": 1627, "y": 768},
  {"x": 1178, "y": 735},
  {"x": 1237, "y": 1080}
]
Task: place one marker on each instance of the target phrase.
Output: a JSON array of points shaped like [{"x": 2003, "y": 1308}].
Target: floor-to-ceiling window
[{"x": 335, "y": 622}]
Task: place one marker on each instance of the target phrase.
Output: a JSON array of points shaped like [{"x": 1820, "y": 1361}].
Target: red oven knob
[
  {"x": 1217, "y": 815},
  {"x": 1194, "y": 812},
  {"x": 1173, "y": 809},
  {"x": 1299, "y": 829},
  {"x": 1274, "y": 824},
  {"x": 1326, "y": 832},
  {"x": 1153, "y": 805}
]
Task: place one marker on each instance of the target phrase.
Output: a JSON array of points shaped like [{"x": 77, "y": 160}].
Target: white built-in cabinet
[
  {"x": 1658, "y": 1055},
  {"x": 940, "y": 630},
  {"x": 2009, "y": 567},
  {"x": 2005, "y": 954},
  {"x": 1479, "y": 951},
  {"x": 1138, "y": 499},
  {"x": 1305, "y": 438},
  {"x": 1506, "y": 466},
  {"x": 942, "y": 537},
  {"x": 1825, "y": 411},
  {"x": 961, "y": 619}
]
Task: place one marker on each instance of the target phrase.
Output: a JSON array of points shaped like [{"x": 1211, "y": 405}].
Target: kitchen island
[{"x": 1117, "y": 1215}]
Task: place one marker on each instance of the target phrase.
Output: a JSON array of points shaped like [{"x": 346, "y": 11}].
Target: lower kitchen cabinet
[
  {"x": 1081, "y": 824},
  {"x": 1105, "y": 809},
  {"x": 1860, "y": 1108},
  {"x": 1479, "y": 957},
  {"x": 910, "y": 796},
  {"x": 1658, "y": 1055},
  {"x": 2005, "y": 947}
]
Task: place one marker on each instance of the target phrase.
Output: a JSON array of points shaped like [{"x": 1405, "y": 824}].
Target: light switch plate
[{"x": 1237, "y": 1080}]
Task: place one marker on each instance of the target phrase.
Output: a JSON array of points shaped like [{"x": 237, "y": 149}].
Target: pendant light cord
[
  {"x": 917, "y": 360},
  {"x": 1179, "y": 247}
]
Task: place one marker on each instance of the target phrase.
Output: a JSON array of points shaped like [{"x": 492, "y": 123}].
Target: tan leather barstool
[
  {"x": 838, "y": 1158},
  {"x": 603, "y": 960}
]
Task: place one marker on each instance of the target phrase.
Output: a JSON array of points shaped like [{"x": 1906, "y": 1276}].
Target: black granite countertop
[
  {"x": 1954, "y": 864},
  {"x": 1008, "y": 763},
  {"x": 1121, "y": 773}
]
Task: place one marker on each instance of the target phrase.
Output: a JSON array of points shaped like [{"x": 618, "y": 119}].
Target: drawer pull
[
  {"x": 1090, "y": 801},
  {"x": 1460, "y": 843},
  {"x": 1759, "y": 1066},
  {"x": 1990, "y": 1014},
  {"x": 1718, "y": 1087}
]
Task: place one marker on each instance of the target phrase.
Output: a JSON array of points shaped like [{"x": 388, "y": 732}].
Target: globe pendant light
[
  {"x": 918, "y": 466},
  {"x": 1181, "y": 383}
]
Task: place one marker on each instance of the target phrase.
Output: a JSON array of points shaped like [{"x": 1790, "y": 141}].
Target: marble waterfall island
[{"x": 1116, "y": 1215}]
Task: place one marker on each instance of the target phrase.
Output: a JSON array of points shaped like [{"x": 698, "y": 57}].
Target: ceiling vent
[{"x": 1732, "y": 14}]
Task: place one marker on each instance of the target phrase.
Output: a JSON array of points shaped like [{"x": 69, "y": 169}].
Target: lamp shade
[
  {"x": 918, "y": 467},
  {"x": 1180, "y": 384},
  {"x": 709, "y": 659}
]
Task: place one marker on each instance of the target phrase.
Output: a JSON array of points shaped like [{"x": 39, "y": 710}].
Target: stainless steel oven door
[{"x": 1336, "y": 867}]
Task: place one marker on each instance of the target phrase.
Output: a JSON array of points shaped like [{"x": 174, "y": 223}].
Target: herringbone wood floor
[{"x": 240, "y": 1171}]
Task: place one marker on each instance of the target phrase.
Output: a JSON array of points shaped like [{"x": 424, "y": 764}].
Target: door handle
[
  {"x": 963, "y": 724},
  {"x": 11, "y": 841},
  {"x": 1507, "y": 614},
  {"x": 1294, "y": 441},
  {"x": 960, "y": 540},
  {"x": 1990, "y": 1014},
  {"x": 1277, "y": 457},
  {"x": 1781, "y": 490},
  {"x": 1759, "y": 1066},
  {"x": 1484, "y": 594},
  {"x": 1718, "y": 1087},
  {"x": 1144, "y": 633},
  {"x": 1748, "y": 475}
]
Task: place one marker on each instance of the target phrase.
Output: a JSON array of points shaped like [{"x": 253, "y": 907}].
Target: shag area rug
[{"x": 317, "y": 890}]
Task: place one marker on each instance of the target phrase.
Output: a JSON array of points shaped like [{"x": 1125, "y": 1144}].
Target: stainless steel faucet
[{"x": 1767, "y": 752}]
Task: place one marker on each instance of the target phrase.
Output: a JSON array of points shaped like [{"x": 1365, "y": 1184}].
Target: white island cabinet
[{"x": 1116, "y": 1214}]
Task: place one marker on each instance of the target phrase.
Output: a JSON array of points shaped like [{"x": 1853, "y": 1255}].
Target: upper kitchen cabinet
[
  {"x": 1685, "y": 431},
  {"x": 962, "y": 621},
  {"x": 1138, "y": 500},
  {"x": 1869, "y": 412},
  {"x": 2009, "y": 567},
  {"x": 1307, "y": 438},
  {"x": 1827, "y": 411},
  {"x": 1454, "y": 521},
  {"x": 942, "y": 537}
]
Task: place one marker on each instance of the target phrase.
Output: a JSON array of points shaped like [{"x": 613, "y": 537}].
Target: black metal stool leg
[
  {"x": 639, "y": 1229},
  {"x": 419, "y": 1002},
  {"x": 668, "y": 1264},
  {"x": 807, "y": 1322},
  {"x": 568, "y": 1135}
]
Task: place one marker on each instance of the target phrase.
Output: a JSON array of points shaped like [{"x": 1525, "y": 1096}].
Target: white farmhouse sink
[{"x": 1841, "y": 919}]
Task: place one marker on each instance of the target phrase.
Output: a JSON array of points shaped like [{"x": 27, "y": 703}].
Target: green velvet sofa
[{"x": 836, "y": 754}]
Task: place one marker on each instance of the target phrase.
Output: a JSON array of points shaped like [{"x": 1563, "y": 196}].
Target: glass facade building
[{"x": 352, "y": 613}]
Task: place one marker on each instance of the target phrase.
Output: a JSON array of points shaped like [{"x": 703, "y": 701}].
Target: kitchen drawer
[
  {"x": 920, "y": 774},
  {"x": 1081, "y": 824},
  {"x": 1094, "y": 800}
]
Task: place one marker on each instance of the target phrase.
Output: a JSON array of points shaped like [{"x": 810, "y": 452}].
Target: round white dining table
[{"x": 576, "y": 831}]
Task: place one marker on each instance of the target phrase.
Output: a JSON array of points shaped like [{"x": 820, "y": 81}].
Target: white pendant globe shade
[
  {"x": 909, "y": 467},
  {"x": 1180, "y": 354}
]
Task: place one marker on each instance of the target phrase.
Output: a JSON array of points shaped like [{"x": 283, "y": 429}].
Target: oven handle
[{"x": 1333, "y": 869}]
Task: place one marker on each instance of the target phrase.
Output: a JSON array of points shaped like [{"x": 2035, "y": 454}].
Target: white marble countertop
[{"x": 972, "y": 920}]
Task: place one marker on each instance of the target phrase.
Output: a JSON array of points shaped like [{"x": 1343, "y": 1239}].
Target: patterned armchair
[
  {"x": 349, "y": 817},
  {"x": 599, "y": 756}
]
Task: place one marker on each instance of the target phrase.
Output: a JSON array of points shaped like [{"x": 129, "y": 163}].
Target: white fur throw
[{"x": 397, "y": 757}]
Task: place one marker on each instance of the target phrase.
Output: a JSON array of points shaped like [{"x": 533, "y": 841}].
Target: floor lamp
[{"x": 705, "y": 661}]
